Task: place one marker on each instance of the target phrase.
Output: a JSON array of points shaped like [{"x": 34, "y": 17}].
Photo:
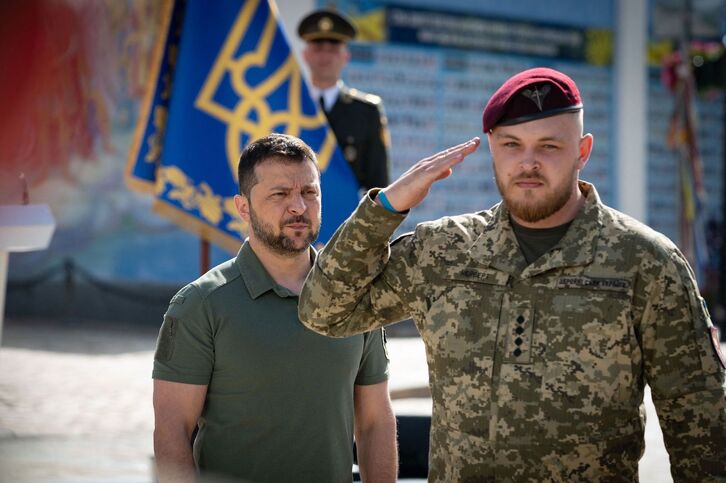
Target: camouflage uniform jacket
[{"x": 537, "y": 372}]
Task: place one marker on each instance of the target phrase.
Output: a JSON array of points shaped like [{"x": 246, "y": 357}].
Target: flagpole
[
  {"x": 682, "y": 113},
  {"x": 204, "y": 249},
  {"x": 721, "y": 249}
]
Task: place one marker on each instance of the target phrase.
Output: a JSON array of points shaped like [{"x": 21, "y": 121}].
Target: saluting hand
[{"x": 414, "y": 185}]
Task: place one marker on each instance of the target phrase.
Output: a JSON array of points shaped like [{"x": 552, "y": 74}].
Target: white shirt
[{"x": 330, "y": 95}]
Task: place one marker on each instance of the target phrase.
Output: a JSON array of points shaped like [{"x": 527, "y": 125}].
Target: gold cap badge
[{"x": 325, "y": 24}]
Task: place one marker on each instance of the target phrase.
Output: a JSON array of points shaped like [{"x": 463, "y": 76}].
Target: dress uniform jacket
[
  {"x": 537, "y": 371},
  {"x": 360, "y": 126}
]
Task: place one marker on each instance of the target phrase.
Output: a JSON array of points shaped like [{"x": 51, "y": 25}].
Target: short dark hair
[{"x": 274, "y": 145}]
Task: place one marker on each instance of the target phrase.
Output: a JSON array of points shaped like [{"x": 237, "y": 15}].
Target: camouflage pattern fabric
[{"x": 537, "y": 372}]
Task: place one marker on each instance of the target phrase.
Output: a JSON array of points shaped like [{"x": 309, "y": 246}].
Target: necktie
[{"x": 322, "y": 103}]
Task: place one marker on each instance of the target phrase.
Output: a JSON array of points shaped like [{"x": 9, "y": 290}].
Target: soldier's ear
[
  {"x": 242, "y": 203},
  {"x": 585, "y": 149}
]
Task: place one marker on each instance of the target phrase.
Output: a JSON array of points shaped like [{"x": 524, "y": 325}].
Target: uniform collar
[
  {"x": 330, "y": 95},
  {"x": 256, "y": 278},
  {"x": 497, "y": 246}
]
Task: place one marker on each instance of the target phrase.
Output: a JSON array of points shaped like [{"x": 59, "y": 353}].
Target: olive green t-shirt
[
  {"x": 279, "y": 403},
  {"x": 535, "y": 242}
]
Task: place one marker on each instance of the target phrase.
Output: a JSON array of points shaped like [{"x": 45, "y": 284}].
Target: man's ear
[
  {"x": 243, "y": 207},
  {"x": 585, "y": 150}
]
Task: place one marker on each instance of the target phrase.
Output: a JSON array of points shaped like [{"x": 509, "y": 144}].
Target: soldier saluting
[
  {"x": 356, "y": 118},
  {"x": 543, "y": 317}
]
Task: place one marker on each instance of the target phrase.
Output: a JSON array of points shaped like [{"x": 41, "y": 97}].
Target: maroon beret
[{"x": 529, "y": 95}]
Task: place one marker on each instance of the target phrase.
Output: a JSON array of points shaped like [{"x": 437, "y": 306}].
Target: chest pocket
[
  {"x": 462, "y": 315},
  {"x": 459, "y": 330},
  {"x": 590, "y": 345}
]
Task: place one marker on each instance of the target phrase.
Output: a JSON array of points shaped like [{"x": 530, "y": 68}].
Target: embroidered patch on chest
[
  {"x": 471, "y": 274},
  {"x": 595, "y": 283}
]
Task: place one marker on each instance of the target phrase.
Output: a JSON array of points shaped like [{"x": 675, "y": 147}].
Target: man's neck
[
  {"x": 286, "y": 271},
  {"x": 323, "y": 84}
]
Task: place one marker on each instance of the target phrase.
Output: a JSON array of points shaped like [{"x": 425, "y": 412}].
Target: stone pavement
[{"x": 75, "y": 402}]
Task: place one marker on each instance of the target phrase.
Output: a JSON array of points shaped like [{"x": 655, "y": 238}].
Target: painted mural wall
[{"x": 79, "y": 69}]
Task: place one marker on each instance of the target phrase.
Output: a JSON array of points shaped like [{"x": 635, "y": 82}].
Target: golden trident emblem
[{"x": 253, "y": 98}]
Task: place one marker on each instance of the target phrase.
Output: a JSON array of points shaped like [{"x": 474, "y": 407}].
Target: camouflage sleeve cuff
[{"x": 385, "y": 219}]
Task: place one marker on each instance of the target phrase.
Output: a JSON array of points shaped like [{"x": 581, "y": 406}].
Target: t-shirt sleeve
[
  {"x": 374, "y": 361},
  {"x": 185, "y": 346}
]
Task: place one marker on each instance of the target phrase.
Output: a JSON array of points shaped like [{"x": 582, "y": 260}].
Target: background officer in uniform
[
  {"x": 357, "y": 118},
  {"x": 543, "y": 317}
]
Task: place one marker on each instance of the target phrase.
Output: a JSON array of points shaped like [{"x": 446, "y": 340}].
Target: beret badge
[{"x": 537, "y": 95}]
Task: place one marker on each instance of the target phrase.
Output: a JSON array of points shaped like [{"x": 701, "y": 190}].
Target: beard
[
  {"x": 279, "y": 242},
  {"x": 530, "y": 209}
]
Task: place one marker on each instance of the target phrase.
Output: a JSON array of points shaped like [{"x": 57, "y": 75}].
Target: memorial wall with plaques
[
  {"x": 436, "y": 63},
  {"x": 436, "y": 72}
]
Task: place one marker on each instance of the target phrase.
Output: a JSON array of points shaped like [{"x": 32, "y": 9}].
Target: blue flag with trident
[{"x": 225, "y": 77}]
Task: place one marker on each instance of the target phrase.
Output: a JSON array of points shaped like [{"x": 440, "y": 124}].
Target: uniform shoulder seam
[
  {"x": 365, "y": 97},
  {"x": 640, "y": 232},
  {"x": 206, "y": 285}
]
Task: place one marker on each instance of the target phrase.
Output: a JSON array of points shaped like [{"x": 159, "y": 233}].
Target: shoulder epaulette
[{"x": 364, "y": 97}]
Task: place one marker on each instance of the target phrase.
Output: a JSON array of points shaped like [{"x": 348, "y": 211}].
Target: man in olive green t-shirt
[{"x": 233, "y": 358}]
